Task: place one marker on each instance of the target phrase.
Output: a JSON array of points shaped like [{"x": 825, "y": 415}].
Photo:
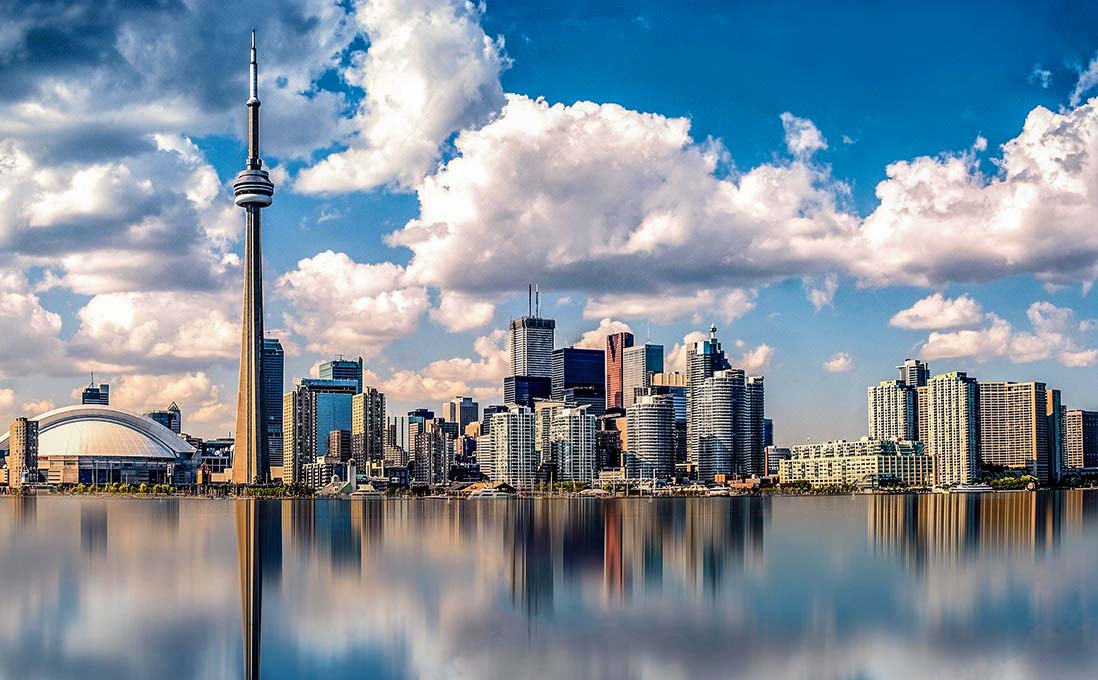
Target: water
[{"x": 979, "y": 586}]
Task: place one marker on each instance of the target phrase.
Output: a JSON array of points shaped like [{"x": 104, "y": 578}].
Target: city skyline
[{"x": 125, "y": 257}]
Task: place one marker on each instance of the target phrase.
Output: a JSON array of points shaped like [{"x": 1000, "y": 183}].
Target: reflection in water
[{"x": 969, "y": 586}]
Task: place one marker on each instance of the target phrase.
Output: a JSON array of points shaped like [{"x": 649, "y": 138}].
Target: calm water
[{"x": 991, "y": 586}]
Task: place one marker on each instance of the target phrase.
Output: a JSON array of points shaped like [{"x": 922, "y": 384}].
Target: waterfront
[{"x": 988, "y": 585}]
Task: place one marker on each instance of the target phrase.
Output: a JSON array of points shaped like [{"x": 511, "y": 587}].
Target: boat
[
  {"x": 718, "y": 491},
  {"x": 490, "y": 492},
  {"x": 965, "y": 488}
]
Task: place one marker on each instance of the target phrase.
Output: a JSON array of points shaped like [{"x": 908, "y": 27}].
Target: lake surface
[{"x": 981, "y": 586}]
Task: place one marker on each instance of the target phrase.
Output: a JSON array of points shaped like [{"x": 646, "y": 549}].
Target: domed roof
[{"x": 103, "y": 431}]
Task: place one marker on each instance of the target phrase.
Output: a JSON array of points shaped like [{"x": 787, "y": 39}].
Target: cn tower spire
[{"x": 253, "y": 191}]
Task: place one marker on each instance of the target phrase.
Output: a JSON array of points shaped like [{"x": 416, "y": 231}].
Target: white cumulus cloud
[
  {"x": 840, "y": 362},
  {"x": 938, "y": 312}
]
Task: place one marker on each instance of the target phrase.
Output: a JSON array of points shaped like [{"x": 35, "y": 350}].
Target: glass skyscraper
[
  {"x": 342, "y": 369},
  {"x": 274, "y": 362}
]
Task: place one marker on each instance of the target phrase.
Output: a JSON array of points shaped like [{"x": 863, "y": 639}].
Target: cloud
[
  {"x": 36, "y": 408},
  {"x": 200, "y": 400},
  {"x": 7, "y": 407},
  {"x": 675, "y": 360},
  {"x": 430, "y": 71},
  {"x": 481, "y": 378},
  {"x": 458, "y": 312},
  {"x": 725, "y": 305},
  {"x": 840, "y": 362},
  {"x": 821, "y": 292},
  {"x": 596, "y": 337},
  {"x": 338, "y": 305},
  {"x": 751, "y": 359},
  {"x": 802, "y": 137},
  {"x": 1088, "y": 78},
  {"x": 1039, "y": 76},
  {"x": 1055, "y": 335},
  {"x": 31, "y": 342},
  {"x": 939, "y": 312},
  {"x": 755, "y": 359}
]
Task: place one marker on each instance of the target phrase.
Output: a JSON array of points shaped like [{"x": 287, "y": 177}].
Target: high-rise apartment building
[
  {"x": 703, "y": 359},
  {"x": 922, "y": 413},
  {"x": 750, "y": 438},
  {"x": 673, "y": 385},
  {"x": 461, "y": 410},
  {"x": 98, "y": 396},
  {"x": 311, "y": 411},
  {"x": 953, "y": 428},
  {"x": 572, "y": 444},
  {"x": 367, "y": 427},
  {"x": 1081, "y": 439},
  {"x": 274, "y": 367},
  {"x": 544, "y": 412},
  {"x": 1057, "y": 435},
  {"x": 616, "y": 344},
  {"x": 1014, "y": 428},
  {"x": 892, "y": 411},
  {"x": 714, "y": 416},
  {"x": 432, "y": 452},
  {"x": 22, "y": 452},
  {"x": 649, "y": 448},
  {"x": 514, "y": 460},
  {"x": 914, "y": 373},
  {"x": 339, "y": 446},
  {"x": 639, "y": 362},
  {"x": 342, "y": 369}
]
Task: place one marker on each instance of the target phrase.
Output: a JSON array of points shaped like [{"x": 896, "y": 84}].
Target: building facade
[
  {"x": 579, "y": 377},
  {"x": 914, "y": 373},
  {"x": 703, "y": 359},
  {"x": 514, "y": 459},
  {"x": 639, "y": 362},
  {"x": 616, "y": 344},
  {"x": 524, "y": 390},
  {"x": 867, "y": 463},
  {"x": 1014, "y": 428},
  {"x": 892, "y": 413},
  {"x": 22, "y": 453},
  {"x": 750, "y": 437},
  {"x": 432, "y": 453},
  {"x": 1081, "y": 439},
  {"x": 461, "y": 410},
  {"x": 367, "y": 427},
  {"x": 953, "y": 426},
  {"x": 274, "y": 372},
  {"x": 171, "y": 418},
  {"x": 311, "y": 411},
  {"x": 96, "y": 395},
  {"x": 649, "y": 447},
  {"x": 717, "y": 401},
  {"x": 572, "y": 444},
  {"x": 341, "y": 368},
  {"x": 530, "y": 345}
]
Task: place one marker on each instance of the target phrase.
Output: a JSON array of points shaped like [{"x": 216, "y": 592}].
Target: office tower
[
  {"x": 768, "y": 432},
  {"x": 341, "y": 368},
  {"x": 579, "y": 377},
  {"x": 311, "y": 410},
  {"x": 512, "y": 446},
  {"x": 1014, "y": 427},
  {"x": 367, "y": 427},
  {"x": 170, "y": 418},
  {"x": 703, "y": 359},
  {"x": 953, "y": 426},
  {"x": 914, "y": 373},
  {"x": 674, "y": 386},
  {"x": 615, "y": 368},
  {"x": 1056, "y": 415},
  {"x": 98, "y": 396},
  {"x": 524, "y": 390},
  {"x": 714, "y": 422},
  {"x": 461, "y": 410},
  {"x": 892, "y": 411},
  {"x": 638, "y": 364},
  {"x": 339, "y": 446},
  {"x": 431, "y": 454},
  {"x": 649, "y": 450},
  {"x": 748, "y": 443},
  {"x": 572, "y": 444},
  {"x": 486, "y": 456},
  {"x": 274, "y": 367},
  {"x": 1081, "y": 439},
  {"x": 22, "y": 453},
  {"x": 253, "y": 191},
  {"x": 530, "y": 343},
  {"x": 396, "y": 432},
  {"x": 608, "y": 451}
]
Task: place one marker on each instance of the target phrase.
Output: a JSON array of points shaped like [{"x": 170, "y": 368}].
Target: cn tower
[{"x": 253, "y": 190}]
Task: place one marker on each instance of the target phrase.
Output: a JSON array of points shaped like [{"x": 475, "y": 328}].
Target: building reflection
[
  {"x": 250, "y": 559},
  {"x": 947, "y": 528},
  {"x": 93, "y": 528}
]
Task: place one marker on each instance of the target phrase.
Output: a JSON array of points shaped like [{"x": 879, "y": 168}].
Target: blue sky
[{"x": 814, "y": 170}]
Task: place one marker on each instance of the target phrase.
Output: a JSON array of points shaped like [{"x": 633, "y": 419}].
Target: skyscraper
[
  {"x": 431, "y": 454},
  {"x": 715, "y": 416},
  {"x": 1014, "y": 427},
  {"x": 572, "y": 444},
  {"x": 525, "y": 389},
  {"x": 703, "y": 359},
  {"x": 530, "y": 343},
  {"x": 892, "y": 410},
  {"x": 649, "y": 450},
  {"x": 750, "y": 439},
  {"x": 23, "y": 452},
  {"x": 1081, "y": 439},
  {"x": 514, "y": 459},
  {"x": 914, "y": 373},
  {"x": 579, "y": 377},
  {"x": 461, "y": 410},
  {"x": 367, "y": 427},
  {"x": 310, "y": 412},
  {"x": 953, "y": 428},
  {"x": 171, "y": 418},
  {"x": 615, "y": 367},
  {"x": 638, "y": 364},
  {"x": 274, "y": 361},
  {"x": 342, "y": 369},
  {"x": 99, "y": 396},
  {"x": 253, "y": 190}
]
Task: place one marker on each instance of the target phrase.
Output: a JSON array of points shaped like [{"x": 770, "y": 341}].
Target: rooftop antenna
[
  {"x": 537, "y": 301},
  {"x": 530, "y": 300}
]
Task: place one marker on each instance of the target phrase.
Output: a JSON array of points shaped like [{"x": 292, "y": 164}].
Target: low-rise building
[{"x": 867, "y": 463}]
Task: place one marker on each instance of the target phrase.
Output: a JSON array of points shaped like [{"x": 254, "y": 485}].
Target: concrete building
[
  {"x": 867, "y": 463},
  {"x": 341, "y": 368},
  {"x": 311, "y": 410},
  {"x": 1014, "y": 428},
  {"x": 649, "y": 448},
  {"x": 1081, "y": 439},
  {"x": 514, "y": 459},
  {"x": 774, "y": 456},
  {"x": 22, "y": 453},
  {"x": 171, "y": 417},
  {"x": 461, "y": 410},
  {"x": 339, "y": 446},
  {"x": 914, "y": 373},
  {"x": 703, "y": 359},
  {"x": 892, "y": 413},
  {"x": 367, "y": 427},
  {"x": 1057, "y": 435},
  {"x": 530, "y": 343},
  {"x": 639, "y": 362},
  {"x": 953, "y": 426},
  {"x": 922, "y": 413},
  {"x": 274, "y": 368},
  {"x": 674, "y": 385},
  {"x": 432, "y": 453},
  {"x": 544, "y": 413},
  {"x": 714, "y": 416},
  {"x": 616, "y": 344},
  {"x": 572, "y": 444},
  {"x": 96, "y": 396}
]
